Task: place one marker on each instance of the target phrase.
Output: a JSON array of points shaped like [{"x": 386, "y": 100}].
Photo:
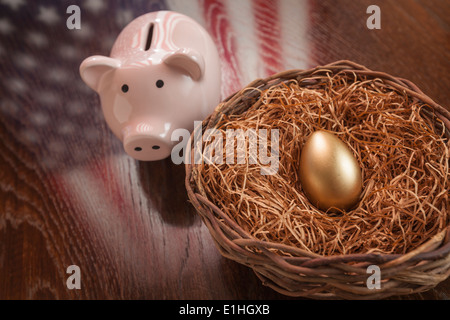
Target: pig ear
[
  {"x": 188, "y": 60},
  {"x": 94, "y": 68}
]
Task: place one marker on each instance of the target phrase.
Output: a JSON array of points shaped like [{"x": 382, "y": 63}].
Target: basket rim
[
  {"x": 336, "y": 67},
  {"x": 437, "y": 247}
]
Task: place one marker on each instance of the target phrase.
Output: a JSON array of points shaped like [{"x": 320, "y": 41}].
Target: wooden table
[{"x": 69, "y": 195}]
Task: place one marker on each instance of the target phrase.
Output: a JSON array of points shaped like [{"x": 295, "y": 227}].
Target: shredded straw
[{"x": 404, "y": 160}]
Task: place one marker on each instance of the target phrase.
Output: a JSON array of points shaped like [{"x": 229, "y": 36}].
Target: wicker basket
[{"x": 302, "y": 273}]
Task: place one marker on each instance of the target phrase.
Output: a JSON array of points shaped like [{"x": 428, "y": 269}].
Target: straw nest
[{"x": 398, "y": 136}]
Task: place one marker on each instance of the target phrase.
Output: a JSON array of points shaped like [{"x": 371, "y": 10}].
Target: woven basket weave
[{"x": 305, "y": 274}]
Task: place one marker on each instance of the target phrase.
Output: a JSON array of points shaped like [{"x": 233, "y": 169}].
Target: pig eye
[
  {"x": 159, "y": 83},
  {"x": 125, "y": 88}
]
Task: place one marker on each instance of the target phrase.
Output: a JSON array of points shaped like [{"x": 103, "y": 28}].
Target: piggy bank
[{"x": 163, "y": 74}]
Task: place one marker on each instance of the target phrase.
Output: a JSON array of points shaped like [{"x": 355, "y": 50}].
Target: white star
[
  {"x": 46, "y": 97},
  {"x": 57, "y": 75},
  {"x": 123, "y": 17},
  {"x": 94, "y": 6},
  {"x": 68, "y": 52},
  {"x": 25, "y": 61},
  {"x": 13, "y": 4},
  {"x": 5, "y": 26},
  {"x": 84, "y": 33},
  {"x": 39, "y": 118},
  {"x": 66, "y": 128},
  {"x": 48, "y": 15},
  {"x": 75, "y": 108},
  {"x": 37, "y": 39},
  {"x": 17, "y": 85}
]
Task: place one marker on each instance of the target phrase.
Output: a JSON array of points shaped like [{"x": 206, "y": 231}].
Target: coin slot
[{"x": 148, "y": 44}]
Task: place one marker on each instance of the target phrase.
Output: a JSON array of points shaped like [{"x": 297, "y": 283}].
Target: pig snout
[
  {"x": 146, "y": 148},
  {"x": 144, "y": 143}
]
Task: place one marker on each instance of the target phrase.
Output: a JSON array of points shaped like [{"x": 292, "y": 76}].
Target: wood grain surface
[{"x": 69, "y": 195}]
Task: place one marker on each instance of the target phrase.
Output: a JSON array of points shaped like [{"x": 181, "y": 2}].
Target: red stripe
[
  {"x": 268, "y": 31},
  {"x": 105, "y": 176},
  {"x": 219, "y": 27},
  {"x": 316, "y": 14}
]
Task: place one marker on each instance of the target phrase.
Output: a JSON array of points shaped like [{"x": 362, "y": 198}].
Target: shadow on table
[{"x": 163, "y": 183}]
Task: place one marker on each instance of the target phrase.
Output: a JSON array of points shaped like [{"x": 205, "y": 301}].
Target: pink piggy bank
[{"x": 163, "y": 74}]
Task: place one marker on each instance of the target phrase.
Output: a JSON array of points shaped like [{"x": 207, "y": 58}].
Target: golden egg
[{"x": 329, "y": 173}]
